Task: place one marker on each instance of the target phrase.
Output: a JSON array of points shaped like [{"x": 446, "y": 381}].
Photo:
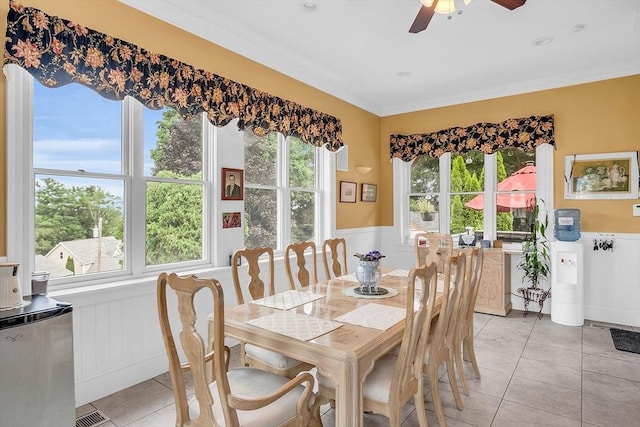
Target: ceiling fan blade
[
  {"x": 423, "y": 18},
  {"x": 510, "y": 4}
]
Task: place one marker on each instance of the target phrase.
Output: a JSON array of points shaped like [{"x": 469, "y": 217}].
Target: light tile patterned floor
[{"x": 534, "y": 373}]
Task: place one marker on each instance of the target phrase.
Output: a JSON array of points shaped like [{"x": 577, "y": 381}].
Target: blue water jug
[{"x": 567, "y": 225}]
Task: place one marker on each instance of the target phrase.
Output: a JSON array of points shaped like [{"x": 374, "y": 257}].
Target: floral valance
[
  {"x": 525, "y": 134},
  {"x": 58, "y": 52}
]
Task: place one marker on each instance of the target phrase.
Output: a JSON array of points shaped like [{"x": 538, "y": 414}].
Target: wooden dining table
[{"x": 346, "y": 354}]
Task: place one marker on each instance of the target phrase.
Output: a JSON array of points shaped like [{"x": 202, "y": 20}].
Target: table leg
[{"x": 348, "y": 388}]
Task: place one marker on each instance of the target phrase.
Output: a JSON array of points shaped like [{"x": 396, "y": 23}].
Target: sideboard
[{"x": 494, "y": 295}]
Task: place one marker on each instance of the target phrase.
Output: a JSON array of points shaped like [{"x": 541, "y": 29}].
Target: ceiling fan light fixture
[{"x": 445, "y": 7}]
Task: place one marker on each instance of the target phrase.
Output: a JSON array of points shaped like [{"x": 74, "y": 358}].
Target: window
[
  {"x": 87, "y": 176},
  {"x": 466, "y": 184},
  {"x": 467, "y": 181},
  {"x": 281, "y": 190},
  {"x": 111, "y": 189},
  {"x": 424, "y": 202}
]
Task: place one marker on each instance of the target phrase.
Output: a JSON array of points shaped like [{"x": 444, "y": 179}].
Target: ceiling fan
[{"x": 430, "y": 7}]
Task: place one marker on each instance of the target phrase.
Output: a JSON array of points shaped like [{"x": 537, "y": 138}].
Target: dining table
[{"x": 331, "y": 326}]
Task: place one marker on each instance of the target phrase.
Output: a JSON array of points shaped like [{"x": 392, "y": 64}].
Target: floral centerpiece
[
  {"x": 368, "y": 271},
  {"x": 369, "y": 256}
]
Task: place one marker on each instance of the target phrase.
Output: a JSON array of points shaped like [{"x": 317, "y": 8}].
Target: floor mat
[{"x": 626, "y": 340}]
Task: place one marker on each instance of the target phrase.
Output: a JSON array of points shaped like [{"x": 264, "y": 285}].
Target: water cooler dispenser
[{"x": 567, "y": 284}]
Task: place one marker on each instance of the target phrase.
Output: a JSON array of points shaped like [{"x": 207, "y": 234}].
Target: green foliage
[
  {"x": 459, "y": 174},
  {"x": 504, "y": 221},
  {"x": 70, "y": 213},
  {"x": 421, "y": 204},
  {"x": 501, "y": 170},
  {"x": 174, "y": 221},
  {"x": 179, "y": 145},
  {"x": 70, "y": 265},
  {"x": 424, "y": 175},
  {"x": 260, "y": 204},
  {"x": 536, "y": 258},
  {"x": 457, "y": 215}
]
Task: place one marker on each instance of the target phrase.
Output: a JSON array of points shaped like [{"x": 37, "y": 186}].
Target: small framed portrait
[
  {"x": 231, "y": 220},
  {"x": 348, "y": 192},
  {"x": 232, "y": 184},
  {"x": 369, "y": 193}
]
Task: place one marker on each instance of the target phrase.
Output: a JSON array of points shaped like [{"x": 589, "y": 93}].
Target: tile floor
[{"x": 534, "y": 373}]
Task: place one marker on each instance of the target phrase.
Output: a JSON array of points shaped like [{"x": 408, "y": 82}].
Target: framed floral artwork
[{"x": 601, "y": 176}]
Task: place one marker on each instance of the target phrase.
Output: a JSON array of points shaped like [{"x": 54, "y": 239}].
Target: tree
[
  {"x": 174, "y": 221},
  {"x": 504, "y": 220},
  {"x": 261, "y": 203},
  {"x": 179, "y": 145},
  {"x": 302, "y": 175},
  {"x": 70, "y": 265},
  {"x": 70, "y": 213},
  {"x": 97, "y": 203}
]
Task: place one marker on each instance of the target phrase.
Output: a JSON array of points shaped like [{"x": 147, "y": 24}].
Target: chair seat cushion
[
  {"x": 254, "y": 383},
  {"x": 377, "y": 384},
  {"x": 269, "y": 357}
]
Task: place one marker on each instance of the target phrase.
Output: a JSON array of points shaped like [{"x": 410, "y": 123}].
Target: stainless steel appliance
[{"x": 36, "y": 365}]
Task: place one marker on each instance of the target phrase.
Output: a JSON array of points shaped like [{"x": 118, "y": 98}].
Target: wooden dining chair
[
  {"x": 243, "y": 396},
  {"x": 440, "y": 348},
  {"x": 334, "y": 257},
  {"x": 433, "y": 246},
  {"x": 305, "y": 275},
  {"x": 396, "y": 378},
  {"x": 252, "y": 355},
  {"x": 463, "y": 346}
]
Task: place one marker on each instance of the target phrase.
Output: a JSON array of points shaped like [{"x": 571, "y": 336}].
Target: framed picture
[
  {"x": 232, "y": 184},
  {"x": 348, "y": 191},
  {"x": 601, "y": 176},
  {"x": 231, "y": 220},
  {"x": 369, "y": 192}
]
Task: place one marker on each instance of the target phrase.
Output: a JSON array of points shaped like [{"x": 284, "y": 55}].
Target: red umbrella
[{"x": 522, "y": 179}]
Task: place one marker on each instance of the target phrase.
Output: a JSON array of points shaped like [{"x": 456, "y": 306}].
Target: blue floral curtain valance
[
  {"x": 524, "y": 133},
  {"x": 58, "y": 52}
]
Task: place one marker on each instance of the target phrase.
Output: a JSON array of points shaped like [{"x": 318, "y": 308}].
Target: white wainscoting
[{"x": 611, "y": 278}]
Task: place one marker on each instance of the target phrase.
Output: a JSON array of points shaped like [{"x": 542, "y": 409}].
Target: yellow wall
[
  {"x": 590, "y": 118},
  {"x": 360, "y": 128}
]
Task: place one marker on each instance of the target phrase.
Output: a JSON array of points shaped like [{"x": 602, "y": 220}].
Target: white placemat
[
  {"x": 295, "y": 325},
  {"x": 372, "y": 315},
  {"x": 288, "y": 299},
  {"x": 399, "y": 273},
  {"x": 351, "y": 293}
]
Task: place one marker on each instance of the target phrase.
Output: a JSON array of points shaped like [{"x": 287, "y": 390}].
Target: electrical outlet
[{"x": 636, "y": 210}]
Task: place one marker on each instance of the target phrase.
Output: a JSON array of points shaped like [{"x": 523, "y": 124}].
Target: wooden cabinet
[{"x": 494, "y": 295}]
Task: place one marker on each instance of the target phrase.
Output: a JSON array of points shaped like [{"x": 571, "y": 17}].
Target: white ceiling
[{"x": 358, "y": 50}]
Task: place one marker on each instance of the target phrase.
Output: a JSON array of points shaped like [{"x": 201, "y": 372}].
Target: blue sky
[{"x": 76, "y": 128}]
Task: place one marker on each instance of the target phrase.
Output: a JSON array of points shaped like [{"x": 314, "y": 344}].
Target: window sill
[{"x": 120, "y": 288}]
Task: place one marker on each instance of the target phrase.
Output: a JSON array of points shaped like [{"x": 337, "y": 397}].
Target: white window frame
[
  {"x": 20, "y": 178},
  {"x": 20, "y": 194},
  {"x": 402, "y": 178},
  {"x": 283, "y": 194}
]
